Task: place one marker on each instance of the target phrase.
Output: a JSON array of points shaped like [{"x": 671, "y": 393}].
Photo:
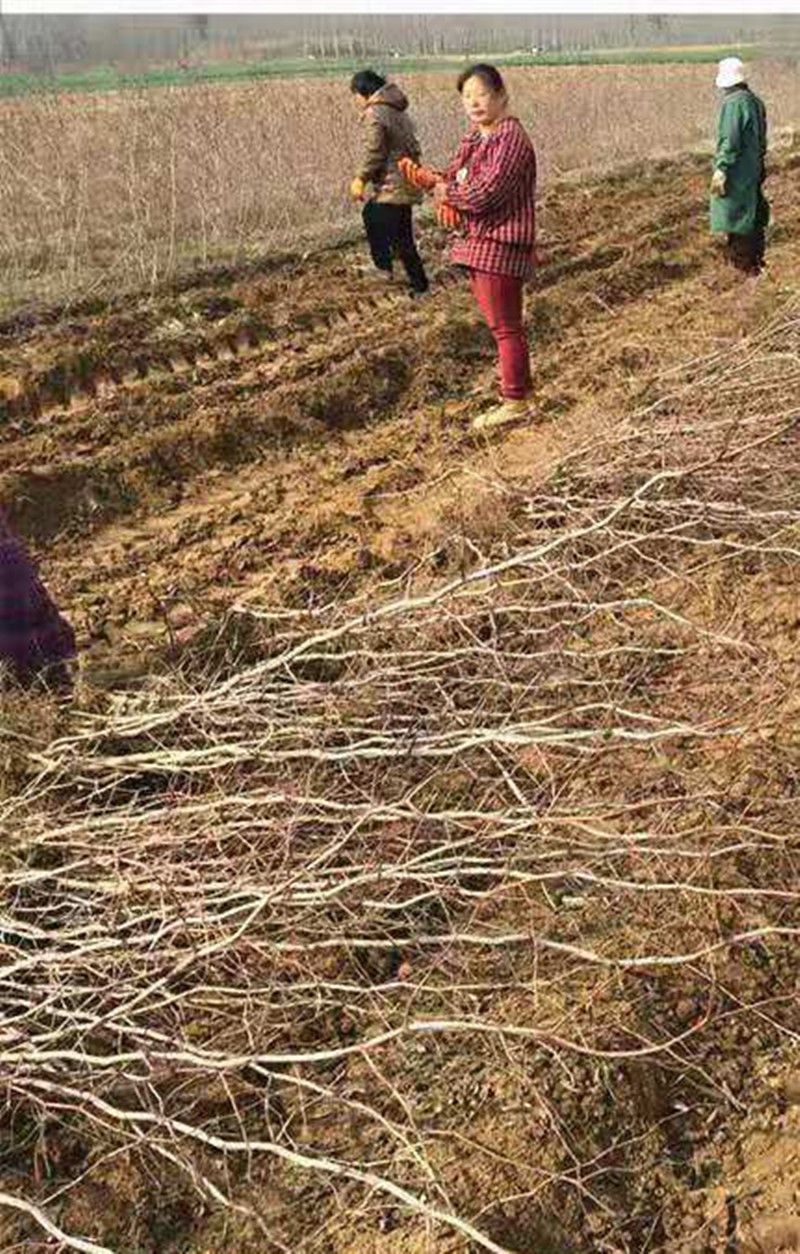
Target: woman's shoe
[{"x": 510, "y": 411}]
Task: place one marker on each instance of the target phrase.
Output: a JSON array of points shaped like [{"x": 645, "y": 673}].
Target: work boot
[{"x": 510, "y": 411}]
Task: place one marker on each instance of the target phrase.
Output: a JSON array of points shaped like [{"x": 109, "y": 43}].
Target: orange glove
[
  {"x": 448, "y": 217},
  {"x": 418, "y": 175},
  {"x": 357, "y": 188}
]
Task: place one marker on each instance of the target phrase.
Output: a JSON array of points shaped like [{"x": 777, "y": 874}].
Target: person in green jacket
[{"x": 738, "y": 206}]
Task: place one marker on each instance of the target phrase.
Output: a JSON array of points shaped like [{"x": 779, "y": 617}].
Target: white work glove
[{"x": 718, "y": 183}]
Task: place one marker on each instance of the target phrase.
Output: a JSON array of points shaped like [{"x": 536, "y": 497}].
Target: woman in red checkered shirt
[{"x": 488, "y": 194}]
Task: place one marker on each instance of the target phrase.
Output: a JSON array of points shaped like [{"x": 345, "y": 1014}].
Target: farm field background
[
  {"x": 416, "y": 866},
  {"x": 124, "y": 191}
]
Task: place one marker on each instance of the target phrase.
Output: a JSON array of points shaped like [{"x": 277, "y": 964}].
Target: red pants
[{"x": 500, "y": 300}]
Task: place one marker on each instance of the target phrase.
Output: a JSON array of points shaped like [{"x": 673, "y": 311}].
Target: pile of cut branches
[{"x": 536, "y": 820}]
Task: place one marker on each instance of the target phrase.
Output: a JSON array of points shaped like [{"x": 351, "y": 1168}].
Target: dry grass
[{"x": 106, "y": 193}]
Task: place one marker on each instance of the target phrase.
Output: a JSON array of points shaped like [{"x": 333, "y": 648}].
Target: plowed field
[{"x": 295, "y": 434}]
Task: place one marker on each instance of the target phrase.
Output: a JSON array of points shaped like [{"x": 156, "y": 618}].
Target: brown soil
[{"x": 319, "y": 442}]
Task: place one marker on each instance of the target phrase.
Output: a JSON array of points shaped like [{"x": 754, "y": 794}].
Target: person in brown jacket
[{"x": 387, "y": 212}]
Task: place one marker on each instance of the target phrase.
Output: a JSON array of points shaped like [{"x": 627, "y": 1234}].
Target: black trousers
[
  {"x": 389, "y": 232},
  {"x": 746, "y": 252}
]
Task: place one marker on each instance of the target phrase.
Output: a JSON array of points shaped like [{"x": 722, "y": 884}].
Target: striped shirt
[{"x": 492, "y": 181}]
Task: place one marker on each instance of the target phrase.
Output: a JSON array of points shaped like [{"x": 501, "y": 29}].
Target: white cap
[{"x": 730, "y": 72}]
